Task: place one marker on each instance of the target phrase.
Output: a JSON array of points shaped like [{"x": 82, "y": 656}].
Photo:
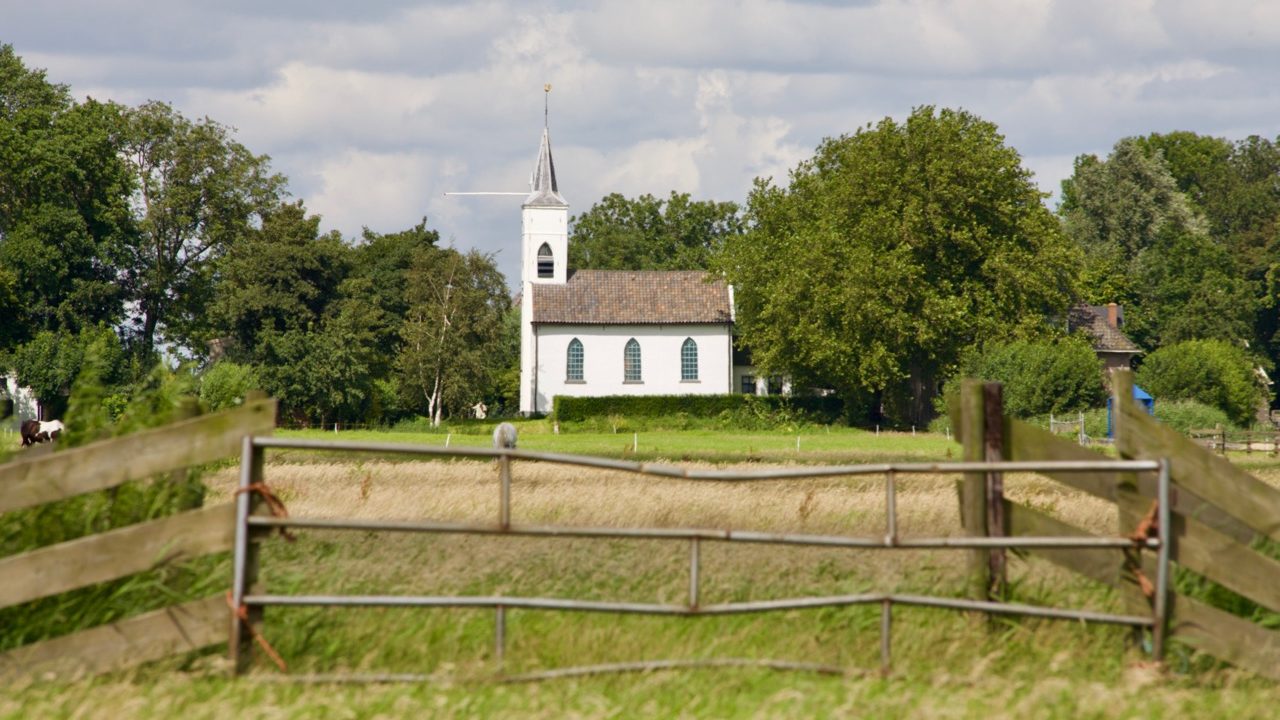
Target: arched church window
[
  {"x": 631, "y": 361},
  {"x": 573, "y": 365},
  {"x": 546, "y": 262},
  {"x": 689, "y": 360}
]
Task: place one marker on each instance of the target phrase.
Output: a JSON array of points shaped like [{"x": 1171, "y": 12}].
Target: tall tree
[
  {"x": 1146, "y": 245},
  {"x": 64, "y": 213},
  {"x": 198, "y": 192},
  {"x": 890, "y": 252},
  {"x": 1115, "y": 209},
  {"x": 452, "y": 333},
  {"x": 380, "y": 277},
  {"x": 282, "y": 276},
  {"x": 1234, "y": 185},
  {"x": 646, "y": 233}
]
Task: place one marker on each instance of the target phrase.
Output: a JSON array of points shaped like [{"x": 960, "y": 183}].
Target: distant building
[
  {"x": 25, "y": 404},
  {"x": 1104, "y": 325},
  {"x": 606, "y": 332}
]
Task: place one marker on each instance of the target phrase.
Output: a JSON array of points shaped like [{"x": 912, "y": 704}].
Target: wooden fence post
[
  {"x": 973, "y": 489},
  {"x": 993, "y": 451},
  {"x": 1131, "y": 506}
]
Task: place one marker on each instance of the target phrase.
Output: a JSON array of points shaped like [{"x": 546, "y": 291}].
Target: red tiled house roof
[{"x": 630, "y": 297}]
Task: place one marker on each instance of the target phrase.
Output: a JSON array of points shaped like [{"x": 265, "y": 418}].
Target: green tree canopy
[
  {"x": 64, "y": 213},
  {"x": 1147, "y": 247},
  {"x": 50, "y": 362},
  {"x": 380, "y": 278},
  {"x": 890, "y": 252},
  {"x": 199, "y": 191},
  {"x": 1217, "y": 373},
  {"x": 280, "y": 277},
  {"x": 1233, "y": 185},
  {"x": 646, "y": 233}
]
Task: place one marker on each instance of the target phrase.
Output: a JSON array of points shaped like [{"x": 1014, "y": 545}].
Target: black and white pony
[{"x": 36, "y": 431}]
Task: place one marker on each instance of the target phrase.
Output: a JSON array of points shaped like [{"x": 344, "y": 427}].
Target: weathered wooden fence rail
[
  {"x": 1217, "y": 512},
  {"x": 1221, "y": 440},
  {"x": 31, "y": 481}
]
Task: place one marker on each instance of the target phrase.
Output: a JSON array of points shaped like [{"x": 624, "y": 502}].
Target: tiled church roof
[
  {"x": 1093, "y": 320},
  {"x": 630, "y": 297}
]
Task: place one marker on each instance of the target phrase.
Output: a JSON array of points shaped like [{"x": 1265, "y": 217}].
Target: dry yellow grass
[
  {"x": 642, "y": 570},
  {"x": 544, "y": 493},
  {"x": 948, "y": 664}
]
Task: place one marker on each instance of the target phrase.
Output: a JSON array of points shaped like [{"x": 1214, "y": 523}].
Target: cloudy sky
[{"x": 374, "y": 109}]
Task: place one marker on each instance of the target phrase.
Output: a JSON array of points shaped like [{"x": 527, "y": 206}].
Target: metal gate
[{"x": 249, "y": 602}]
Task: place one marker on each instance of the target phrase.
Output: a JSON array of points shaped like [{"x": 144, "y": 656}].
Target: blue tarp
[{"x": 1144, "y": 399}]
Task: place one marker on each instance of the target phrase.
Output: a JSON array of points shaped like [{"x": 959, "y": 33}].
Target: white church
[{"x": 615, "y": 332}]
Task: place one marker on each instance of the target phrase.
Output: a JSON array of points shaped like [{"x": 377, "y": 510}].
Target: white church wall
[
  {"x": 526, "y": 348},
  {"x": 603, "y": 347}
]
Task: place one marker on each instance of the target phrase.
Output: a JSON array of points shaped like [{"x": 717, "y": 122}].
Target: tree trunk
[
  {"x": 150, "y": 320},
  {"x": 921, "y": 387},
  {"x": 433, "y": 405}
]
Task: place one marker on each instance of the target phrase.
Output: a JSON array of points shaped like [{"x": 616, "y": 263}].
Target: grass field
[
  {"x": 816, "y": 445},
  {"x": 946, "y": 664}
]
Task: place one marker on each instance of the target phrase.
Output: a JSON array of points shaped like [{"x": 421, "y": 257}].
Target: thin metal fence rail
[
  {"x": 251, "y": 471},
  {"x": 738, "y": 608},
  {"x": 713, "y": 534}
]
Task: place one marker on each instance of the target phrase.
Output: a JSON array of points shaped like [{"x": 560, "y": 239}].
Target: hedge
[{"x": 827, "y": 409}]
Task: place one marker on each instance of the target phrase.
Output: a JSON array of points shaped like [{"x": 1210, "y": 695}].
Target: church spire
[{"x": 543, "y": 190}]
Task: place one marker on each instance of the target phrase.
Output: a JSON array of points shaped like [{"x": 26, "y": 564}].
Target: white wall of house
[
  {"x": 603, "y": 347},
  {"x": 25, "y": 406},
  {"x": 749, "y": 371}
]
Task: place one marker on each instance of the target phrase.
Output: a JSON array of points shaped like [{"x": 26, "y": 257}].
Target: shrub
[
  {"x": 1187, "y": 415},
  {"x": 224, "y": 385},
  {"x": 1213, "y": 372},
  {"x": 1040, "y": 376},
  {"x": 739, "y": 410}
]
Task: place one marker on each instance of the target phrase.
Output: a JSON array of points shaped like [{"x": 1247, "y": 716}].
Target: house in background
[
  {"x": 589, "y": 333},
  {"x": 25, "y": 405},
  {"x": 1104, "y": 325}
]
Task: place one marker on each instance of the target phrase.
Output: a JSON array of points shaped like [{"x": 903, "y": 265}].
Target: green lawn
[{"x": 820, "y": 445}]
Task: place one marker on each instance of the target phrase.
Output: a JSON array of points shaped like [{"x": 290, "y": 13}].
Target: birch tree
[{"x": 452, "y": 330}]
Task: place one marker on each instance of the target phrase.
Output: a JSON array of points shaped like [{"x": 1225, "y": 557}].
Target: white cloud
[{"x": 375, "y": 109}]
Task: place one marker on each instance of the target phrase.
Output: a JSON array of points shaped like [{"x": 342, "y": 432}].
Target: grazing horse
[{"x": 35, "y": 431}]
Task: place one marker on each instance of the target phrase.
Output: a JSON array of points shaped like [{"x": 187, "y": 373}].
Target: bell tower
[
  {"x": 544, "y": 223},
  {"x": 544, "y": 257}
]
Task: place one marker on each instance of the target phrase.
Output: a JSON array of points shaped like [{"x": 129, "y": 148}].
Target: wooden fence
[
  {"x": 1219, "y": 513},
  {"x": 1220, "y": 440},
  {"x": 38, "y": 478}
]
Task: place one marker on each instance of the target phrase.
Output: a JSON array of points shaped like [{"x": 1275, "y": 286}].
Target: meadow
[{"x": 945, "y": 664}]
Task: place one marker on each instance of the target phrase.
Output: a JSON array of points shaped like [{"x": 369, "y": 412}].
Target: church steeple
[
  {"x": 543, "y": 190},
  {"x": 544, "y": 256}
]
